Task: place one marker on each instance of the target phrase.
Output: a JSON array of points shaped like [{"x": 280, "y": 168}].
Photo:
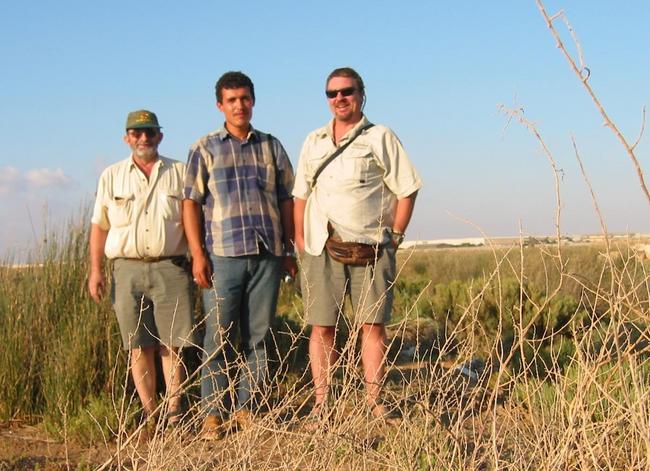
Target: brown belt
[{"x": 154, "y": 259}]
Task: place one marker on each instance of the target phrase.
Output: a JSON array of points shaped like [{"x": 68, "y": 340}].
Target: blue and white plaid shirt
[{"x": 240, "y": 185}]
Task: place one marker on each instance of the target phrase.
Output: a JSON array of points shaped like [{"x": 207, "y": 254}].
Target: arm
[
  {"x": 403, "y": 212},
  {"x": 201, "y": 269},
  {"x": 286, "y": 216},
  {"x": 96, "y": 279},
  {"x": 400, "y": 177},
  {"x": 299, "y": 221}
]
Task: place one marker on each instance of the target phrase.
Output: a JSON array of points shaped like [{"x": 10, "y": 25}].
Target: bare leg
[
  {"x": 321, "y": 358},
  {"x": 174, "y": 373},
  {"x": 373, "y": 349},
  {"x": 143, "y": 370}
]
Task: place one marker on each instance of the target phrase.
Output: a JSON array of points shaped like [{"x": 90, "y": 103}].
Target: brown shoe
[
  {"x": 243, "y": 419},
  {"x": 213, "y": 428}
]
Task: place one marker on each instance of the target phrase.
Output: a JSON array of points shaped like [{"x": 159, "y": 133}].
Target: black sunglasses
[
  {"x": 343, "y": 91},
  {"x": 149, "y": 132}
]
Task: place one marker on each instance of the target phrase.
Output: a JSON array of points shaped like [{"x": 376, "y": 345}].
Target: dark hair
[
  {"x": 348, "y": 72},
  {"x": 233, "y": 80}
]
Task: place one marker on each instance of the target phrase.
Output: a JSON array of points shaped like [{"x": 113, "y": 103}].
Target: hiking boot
[
  {"x": 213, "y": 428},
  {"x": 243, "y": 419}
]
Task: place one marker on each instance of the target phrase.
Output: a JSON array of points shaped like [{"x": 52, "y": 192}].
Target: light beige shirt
[
  {"x": 142, "y": 216},
  {"x": 358, "y": 191}
]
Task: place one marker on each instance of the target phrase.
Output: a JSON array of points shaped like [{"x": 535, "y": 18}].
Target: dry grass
[{"x": 589, "y": 410}]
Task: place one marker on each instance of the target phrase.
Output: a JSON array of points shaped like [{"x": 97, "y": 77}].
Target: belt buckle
[{"x": 150, "y": 259}]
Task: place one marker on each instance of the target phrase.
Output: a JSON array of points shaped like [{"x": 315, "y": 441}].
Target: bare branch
[
  {"x": 579, "y": 71},
  {"x": 557, "y": 172}
]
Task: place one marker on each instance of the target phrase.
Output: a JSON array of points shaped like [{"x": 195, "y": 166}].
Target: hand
[
  {"x": 96, "y": 285},
  {"x": 202, "y": 271},
  {"x": 289, "y": 265}
]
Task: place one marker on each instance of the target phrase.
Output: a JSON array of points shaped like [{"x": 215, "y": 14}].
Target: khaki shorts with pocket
[
  {"x": 325, "y": 282},
  {"x": 153, "y": 302}
]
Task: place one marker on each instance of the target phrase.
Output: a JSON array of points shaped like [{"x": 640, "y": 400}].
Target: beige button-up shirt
[
  {"x": 358, "y": 191},
  {"x": 142, "y": 216}
]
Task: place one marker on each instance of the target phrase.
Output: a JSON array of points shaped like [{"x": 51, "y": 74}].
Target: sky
[{"x": 435, "y": 72}]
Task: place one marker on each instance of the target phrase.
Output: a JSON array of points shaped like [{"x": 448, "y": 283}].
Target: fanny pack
[{"x": 351, "y": 253}]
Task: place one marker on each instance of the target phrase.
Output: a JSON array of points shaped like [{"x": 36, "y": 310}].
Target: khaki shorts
[
  {"x": 153, "y": 303},
  {"x": 325, "y": 282}
]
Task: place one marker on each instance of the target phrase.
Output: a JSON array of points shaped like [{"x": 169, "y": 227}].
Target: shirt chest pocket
[
  {"x": 357, "y": 164},
  {"x": 266, "y": 177},
  {"x": 120, "y": 211},
  {"x": 170, "y": 205}
]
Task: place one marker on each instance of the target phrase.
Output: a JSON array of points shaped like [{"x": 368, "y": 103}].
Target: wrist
[
  {"x": 197, "y": 253},
  {"x": 397, "y": 237}
]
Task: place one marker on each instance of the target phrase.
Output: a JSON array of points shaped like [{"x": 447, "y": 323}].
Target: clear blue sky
[{"x": 435, "y": 73}]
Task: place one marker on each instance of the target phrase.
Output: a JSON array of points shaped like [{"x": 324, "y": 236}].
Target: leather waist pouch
[{"x": 352, "y": 253}]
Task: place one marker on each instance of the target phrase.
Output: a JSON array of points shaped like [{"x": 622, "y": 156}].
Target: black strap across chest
[{"x": 336, "y": 153}]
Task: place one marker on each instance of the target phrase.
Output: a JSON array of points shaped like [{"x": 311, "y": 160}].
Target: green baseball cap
[{"x": 142, "y": 119}]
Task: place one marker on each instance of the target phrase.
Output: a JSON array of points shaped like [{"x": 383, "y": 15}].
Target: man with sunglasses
[
  {"x": 137, "y": 225},
  {"x": 354, "y": 185},
  {"x": 238, "y": 215}
]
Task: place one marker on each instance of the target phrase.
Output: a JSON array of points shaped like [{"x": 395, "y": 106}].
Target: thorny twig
[{"x": 583, "y": 73}]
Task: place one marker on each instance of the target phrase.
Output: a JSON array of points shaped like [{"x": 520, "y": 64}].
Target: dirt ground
[{"x": 27, "y": 447}]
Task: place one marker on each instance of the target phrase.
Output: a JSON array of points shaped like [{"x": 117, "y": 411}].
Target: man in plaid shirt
[{"x": 238, "y": 182}]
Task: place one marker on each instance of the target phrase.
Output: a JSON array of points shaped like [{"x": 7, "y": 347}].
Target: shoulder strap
[{"x": 336, "y": 153}]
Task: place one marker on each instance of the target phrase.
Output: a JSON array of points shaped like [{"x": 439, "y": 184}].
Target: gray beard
[{"x": 146, "y": 155}]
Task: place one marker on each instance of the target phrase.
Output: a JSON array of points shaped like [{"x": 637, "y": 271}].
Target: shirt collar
[
  {"x": 159, "y": 162},
  {"x": 224, "y": 134},
  {"x": 328, "y": 129}
]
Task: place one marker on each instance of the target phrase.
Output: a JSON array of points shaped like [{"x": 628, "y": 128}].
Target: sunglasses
[
  {"x": 149, "y": 132},
  {"x": 343, "y": 91}
]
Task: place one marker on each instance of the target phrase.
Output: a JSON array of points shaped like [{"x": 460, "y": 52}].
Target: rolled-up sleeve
[
  {"x": 100, "y": 210},
  {"x": 400, "y": 176},
  {"x": 302, "y": 185}
]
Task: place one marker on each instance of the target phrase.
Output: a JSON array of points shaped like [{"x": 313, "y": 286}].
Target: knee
[
  {"x": 373, "y": 332},
  {"x": 164, "y": 351},
  {"x": 320, "y": 333},
  {"x": 142, "y": 353}
]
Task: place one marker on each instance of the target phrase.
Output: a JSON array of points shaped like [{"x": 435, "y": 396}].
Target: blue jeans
[{"x": 243, "y": 299}]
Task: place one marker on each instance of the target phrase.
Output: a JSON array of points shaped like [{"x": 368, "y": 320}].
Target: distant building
[{"x": 516, "y": 241}]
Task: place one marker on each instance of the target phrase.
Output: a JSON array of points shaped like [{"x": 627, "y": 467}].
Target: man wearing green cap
[{"x": 137, "y": 225}]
